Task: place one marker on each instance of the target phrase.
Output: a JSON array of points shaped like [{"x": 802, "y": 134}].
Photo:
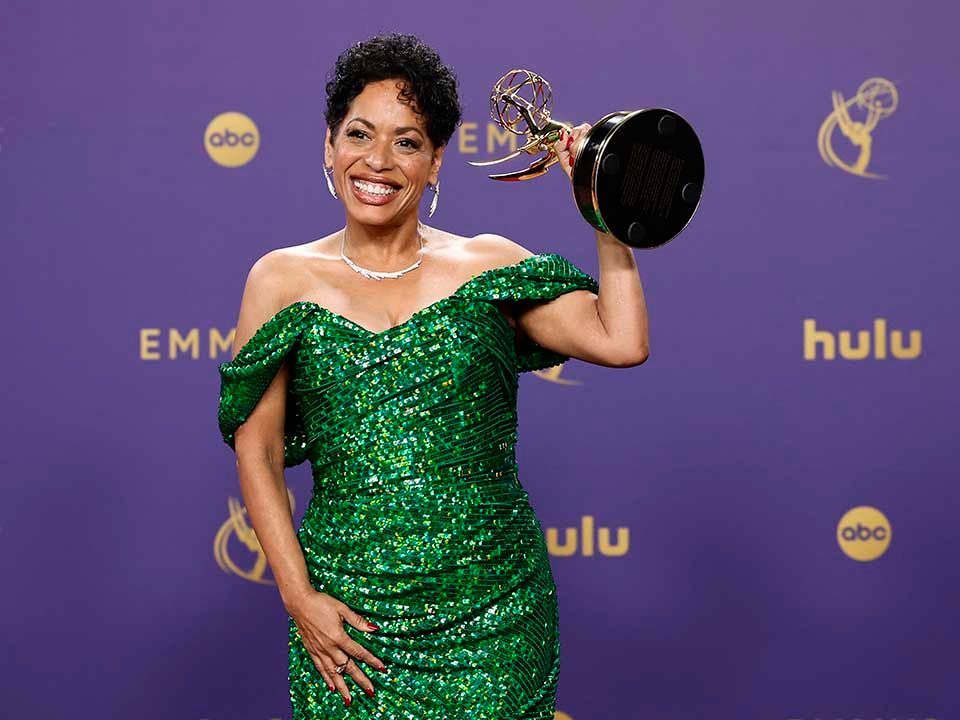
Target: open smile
[{"x": 373, "y": 192}]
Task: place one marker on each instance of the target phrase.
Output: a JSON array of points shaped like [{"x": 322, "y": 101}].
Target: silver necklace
[{"x": 376, "y": 274}]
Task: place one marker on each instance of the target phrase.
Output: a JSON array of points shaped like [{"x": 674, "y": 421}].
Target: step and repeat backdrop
[{"x": 759, "y": 522}]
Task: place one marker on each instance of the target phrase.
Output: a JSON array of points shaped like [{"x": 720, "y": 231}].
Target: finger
[
  {"x": 565, "y": 160},
  {"x": 355, "y": 649},
  {"x": 577, "y": 143},
  {"x": 319, "y": 662},
  {"x": 561, "y": 149},
  {"x": 561, "y": 140},
  {"x": 356, "y": 620},
  {"x": 360, "y": 678},
  {"x": 326, "y": 678},
  {"x": 338, "y": 681}
]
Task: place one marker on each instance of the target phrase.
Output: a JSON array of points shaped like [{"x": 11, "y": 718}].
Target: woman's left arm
[{"x": 607, "y": 328}]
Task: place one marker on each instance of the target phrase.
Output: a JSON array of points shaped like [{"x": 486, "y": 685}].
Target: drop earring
[
  {"x": 330, "y": 187},
  {"x": 436, "y": 194}
]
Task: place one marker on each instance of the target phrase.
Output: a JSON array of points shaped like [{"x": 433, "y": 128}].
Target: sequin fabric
[{"x": 417, "y": 518}]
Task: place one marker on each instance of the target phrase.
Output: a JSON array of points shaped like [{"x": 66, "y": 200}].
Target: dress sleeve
[
  {"x": 537, "y": 277},
  {"x": 244, "y": 379}
]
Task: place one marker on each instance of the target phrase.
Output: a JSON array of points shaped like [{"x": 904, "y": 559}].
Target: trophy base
[{"x": 638, "y": 175}]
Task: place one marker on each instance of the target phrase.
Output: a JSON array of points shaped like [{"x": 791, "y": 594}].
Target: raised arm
[{"x": 609, "y": 327}]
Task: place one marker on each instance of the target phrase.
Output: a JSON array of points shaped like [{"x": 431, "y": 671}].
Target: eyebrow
[{"x": 397, "y": 131}]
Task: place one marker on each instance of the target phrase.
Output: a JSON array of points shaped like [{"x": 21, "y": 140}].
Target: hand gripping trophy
[{"x": 637, "y": 175}]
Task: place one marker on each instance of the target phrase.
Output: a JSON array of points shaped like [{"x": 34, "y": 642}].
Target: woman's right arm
[
  {"x": 260, "y": 467},
  {"x": 259, "y": 443}
]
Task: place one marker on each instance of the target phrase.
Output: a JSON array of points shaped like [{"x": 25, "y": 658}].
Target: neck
[{"x": 379, "y": 246}]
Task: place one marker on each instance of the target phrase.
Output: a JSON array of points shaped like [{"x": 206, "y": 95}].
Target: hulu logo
[
  {"x": 824, "y": 344},
  {"x": 584, "y": 538}
]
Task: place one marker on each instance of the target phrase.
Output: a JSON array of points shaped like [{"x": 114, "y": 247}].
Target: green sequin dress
[{"x": 417, "y": 518}]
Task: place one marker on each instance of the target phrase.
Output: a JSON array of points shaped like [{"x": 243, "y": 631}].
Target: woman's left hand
[{"x": 568, "y": 145}]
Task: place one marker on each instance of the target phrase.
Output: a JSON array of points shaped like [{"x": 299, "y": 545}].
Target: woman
[{"x": 419, "y": 570}]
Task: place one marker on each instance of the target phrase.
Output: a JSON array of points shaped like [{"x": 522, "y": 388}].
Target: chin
[{"x": 373, "y": 216}]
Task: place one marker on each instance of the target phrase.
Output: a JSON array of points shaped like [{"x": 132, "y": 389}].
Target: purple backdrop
[{"x": 730, "y": 456}]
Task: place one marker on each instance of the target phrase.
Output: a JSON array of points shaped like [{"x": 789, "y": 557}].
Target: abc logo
[
  {"x": 231, "y": 139},
  {"x": 864, "y": 533}
]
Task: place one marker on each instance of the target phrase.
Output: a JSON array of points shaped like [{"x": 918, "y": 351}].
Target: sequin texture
[{"x": 417, "y": 519}]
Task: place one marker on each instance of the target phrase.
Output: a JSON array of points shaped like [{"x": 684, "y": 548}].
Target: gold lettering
[
  {"x": 189, "y": 342},
  {"x": 467, "y": 135},
  {"x": 812, "y": 336},
  {"x": 848, "y": 352},
  {"x": 880, "y": 338},
  {"x": 219, "y": 343},
  {"x": 498, "y": 137},
  {"x": 814, "y": 340},
  {"x": 586, "y": 534},
  {"x": 568, "y": 548},
  {"x": 623, "y": 542},
  {"x": 149, "y": 342},
  {"x": 896, "y": 345}
]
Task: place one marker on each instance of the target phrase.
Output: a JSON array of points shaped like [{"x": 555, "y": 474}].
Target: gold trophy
[{"x": 637, "y": 175}]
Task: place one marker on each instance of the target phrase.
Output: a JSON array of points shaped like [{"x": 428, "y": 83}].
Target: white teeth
[{"x": 374, "y": 188}]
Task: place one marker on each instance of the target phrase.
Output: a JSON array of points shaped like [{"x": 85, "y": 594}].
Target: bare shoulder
[
  {"x": 281, "y": 275},
  {"x": 268, "y": 276},
  {"x": 272, "y": 283},
  {"x": 491, "y": 250},
  {"x": 488, "y": 251}
]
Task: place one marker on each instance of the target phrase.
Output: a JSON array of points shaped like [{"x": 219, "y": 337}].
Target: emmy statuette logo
[
  {"x": 231, "y": 139},
  {"x": 864, "y": 533},
  {"x": 874, "y": 100},
  {"x": 254, "y": 566},
  {"x": 552, "y": 374}
]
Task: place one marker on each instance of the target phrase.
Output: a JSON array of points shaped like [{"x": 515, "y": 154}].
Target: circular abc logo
[
  {"x": 231, "y": 139},
  {"x": 864, "y": 533}
]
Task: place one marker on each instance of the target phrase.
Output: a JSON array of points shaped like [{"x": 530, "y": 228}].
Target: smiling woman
[
  {"x": 381, "y": 157},
  {"x": 419, "y": 555}
]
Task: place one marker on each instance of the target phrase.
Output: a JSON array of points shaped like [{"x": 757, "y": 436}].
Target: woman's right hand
[{"x": 319, "y": 618}]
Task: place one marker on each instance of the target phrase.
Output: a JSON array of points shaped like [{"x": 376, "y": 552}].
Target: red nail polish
[
  {"x": 347, "y": 701},
  {"x": 372, "y": 626},
  {"x": 369, "y": 692},
  {"x": 381, "y": 668},
  {"x": 571, "y": 160}
]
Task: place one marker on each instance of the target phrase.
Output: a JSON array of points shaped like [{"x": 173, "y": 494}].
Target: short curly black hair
[{"x": 430, "y": 87}]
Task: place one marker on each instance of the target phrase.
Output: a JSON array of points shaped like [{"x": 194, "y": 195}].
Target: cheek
[{"x": 418, "y": 171}]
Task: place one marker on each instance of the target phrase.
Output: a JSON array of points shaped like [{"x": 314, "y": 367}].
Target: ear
[
  {"x": 327, "y": 150},
  {"x": 436, "y": 163}
]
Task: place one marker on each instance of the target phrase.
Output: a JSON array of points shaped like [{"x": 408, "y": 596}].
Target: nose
[{"x": 380, "y": 156}]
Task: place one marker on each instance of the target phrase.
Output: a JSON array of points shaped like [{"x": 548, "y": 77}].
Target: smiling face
[{"x": 382, "y": 158}]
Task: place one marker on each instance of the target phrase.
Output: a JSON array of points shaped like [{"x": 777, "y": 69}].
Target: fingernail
[
  {"x": 369, "y": 691},
  {"x": 346, "y": 701},
  {"x": 372, "y": 626},
  {"x": 381, "y": 668},
  {"x": 571, "y": 160}
]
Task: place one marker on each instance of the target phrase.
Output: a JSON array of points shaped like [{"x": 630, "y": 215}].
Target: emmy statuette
[{"x": 637, "y": 175}]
